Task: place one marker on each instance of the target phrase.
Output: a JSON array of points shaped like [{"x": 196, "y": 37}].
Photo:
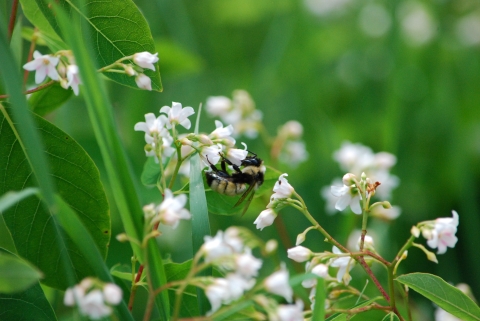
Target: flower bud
[
  {"x": 415, "y": 231},
  {"x": 349, "y": 179},
  {"x": 299, "y": 254},
  {"x": 386, "y": 205},
  {"x": 265, "y": 219},
  {"x": 204, "y": 139},
  {"x": 300, "y": 238},
  {"x": 129, "y": 70},
  {"x": 431, "y": 256},
  {"x": 122, "y": 237},
  {"x": 292, "y": 129},
  {"x": 271, "y": 246}
]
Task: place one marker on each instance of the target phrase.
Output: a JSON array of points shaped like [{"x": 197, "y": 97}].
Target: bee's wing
[
  {"x": 244, "y": 195},
  {"x": 247, "y": 204}
]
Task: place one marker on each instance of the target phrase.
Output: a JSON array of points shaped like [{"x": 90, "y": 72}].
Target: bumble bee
[{"x": 252, "y": 174}]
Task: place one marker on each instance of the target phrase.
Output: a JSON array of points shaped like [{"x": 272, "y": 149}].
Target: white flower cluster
[
  {"x": 169, "y": 212},
  {"x": 93, "y": 298},
  {"x": 239, "y": 111},
  {"x": 357, "y": 159},
  {"x": 228, "y": 252},
  {"x": 293, "y": 151},
  {"x": 281, "y": 191},
  {"x": 66, "y": 73},
  {"x": 440, "y": 233}
]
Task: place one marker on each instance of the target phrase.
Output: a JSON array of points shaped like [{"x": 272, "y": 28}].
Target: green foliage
[
  {"x": 442, "y": 294},
  {"x": 47, "y": 100},
  {"x": 16, "y": 275},
  {"x": 78, "y": 182},
  {"x": 391, "y": 317},
  {"x": 116, "y": 29}
]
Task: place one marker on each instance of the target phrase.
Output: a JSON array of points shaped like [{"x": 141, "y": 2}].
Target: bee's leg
[
  {"x": 225, "y": 160},
  {"x": 224, "y": 167},
  {"x": 213, "y": 167}
]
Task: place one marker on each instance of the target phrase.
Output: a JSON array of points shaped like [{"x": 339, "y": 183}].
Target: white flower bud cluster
[
  {"x": 93, "y": 298},
  {"x": 239, "y": 111},
  {"x": 64, "y": 71}
]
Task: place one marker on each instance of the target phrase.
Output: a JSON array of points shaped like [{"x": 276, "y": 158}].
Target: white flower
[
  {"x": 72, "y": 295},
  {"x": 347, "y": 197},
  {"x": 155, "y": 131},
  {"x": 277, "y": 283},
  {"x": 223, "y": 134},
  {"x": 215, "y": 247},
  {"x": 231, "y": 236},
  {"x": 217, "y": 293},
  {"x": 320, "y": 269},
  {"x": 93, "y": 305},
  {"x": 282, "y": 188},
  {"x": 210, "y": 154},
  {"x": 265, "y": 218},
  {"x": 218, "y": 105},
  {"x": 236, "y": 156},
  {"x": 247, "y": 265},
  {"x": 178, "y": 115},
  {"x": 345, "y": 264},
  {"x": 443, "y": 233},
  {"x": 172, "y": 210},
  {"x": 145, "y": 59},
  {"x": 44, "y": 65},
  {"x": 143, "y": 82},
  {"x": 299, "y": 253},
  {"x": 354, "y": 158},
  {"x": 294, "y": 153},
  {"x": 238, "y": 285},
  {"x": 442, "y": 315},
  {"x": 73, "y": 77},
  {"x": 112, "y": 293},
  {"x": 418, "y": 25},
  {"x": 289, "y": 312}
]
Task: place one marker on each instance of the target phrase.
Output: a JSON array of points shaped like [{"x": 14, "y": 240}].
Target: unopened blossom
[
  {"x": 73, "y": 77},
  {"x": 289, "y": 312},
  {"x": 112, "y": 293},
  {"x": 282, "y": 188},
  {"x": 299, "y": 253},
  {"x": 145, "y": 59},
  {"x": 172, "y": 210},
  {"x": 292, "y": 130},
  {"x": 386, "y": 213},
  {"x": 443, "y": 233},
  {"x": 347, "y": 196},
  {"x": 265, "y": 218},
  {"x": 178, "y": 115},
  {"x": 44, "y": 65},
  {"x": 223, "y": 134},
  {"x": 143, "y": 82},
  {"x": 345, "y": 264},
  {"x": 320, "y": 269},
  {"x": 277, "y": 283},
  {"x": 294, "y": 153}
]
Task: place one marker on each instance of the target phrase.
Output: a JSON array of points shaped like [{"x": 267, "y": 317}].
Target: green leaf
[
  {"x": 29, "y": 221},
  {"x": 16, "y": 274},
  {"x": 320, "y": 296},
  {"x": 224, "y": 205},
  {"x": 47, "y": 100},
  {"x": 116, "y": 29},
  {"x": 344, "y": 316},
  {"x": 442, "y": 294},
  {"x": 11, "y": 198},
  {"x": 30, "y": 304},
  {"x": 178, "y": 272},
  {"x": 391, "y": 317}
]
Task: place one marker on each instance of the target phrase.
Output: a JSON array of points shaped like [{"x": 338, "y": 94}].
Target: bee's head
[{"x": 252, "y": 161}]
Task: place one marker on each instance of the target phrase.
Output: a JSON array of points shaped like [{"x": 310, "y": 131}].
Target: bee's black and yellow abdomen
[{"x": 224, "y": 185}]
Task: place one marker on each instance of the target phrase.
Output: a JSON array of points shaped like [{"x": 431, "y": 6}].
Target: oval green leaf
[
  {"x": 16, "y": 274},
  {"x": 442, "y": 294},
  {"x": 45, "y": 101},
  {"x": 116, "y": 29},
  {"x": 78, "y": 182},
  {"x": 30, "y": 304}
]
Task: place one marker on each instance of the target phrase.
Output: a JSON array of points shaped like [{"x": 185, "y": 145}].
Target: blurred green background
[{"x": 397, "y": 76}]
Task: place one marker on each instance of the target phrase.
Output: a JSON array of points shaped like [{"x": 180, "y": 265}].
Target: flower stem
[
  {"x": 13, "y": 16},
  {"x": 48, "y": 84}
]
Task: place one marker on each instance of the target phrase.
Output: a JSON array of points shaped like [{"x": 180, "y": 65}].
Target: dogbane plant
[{"x": 357, "y": 193}]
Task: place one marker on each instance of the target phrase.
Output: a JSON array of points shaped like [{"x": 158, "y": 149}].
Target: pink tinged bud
[
  {"x": 349, "y": 179},
  {"x": 143, "y": 82},
  {"x": 265, "y": 219},
  {"x": 145, "y": 59},
  {"x": 299, "y": 254}
]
